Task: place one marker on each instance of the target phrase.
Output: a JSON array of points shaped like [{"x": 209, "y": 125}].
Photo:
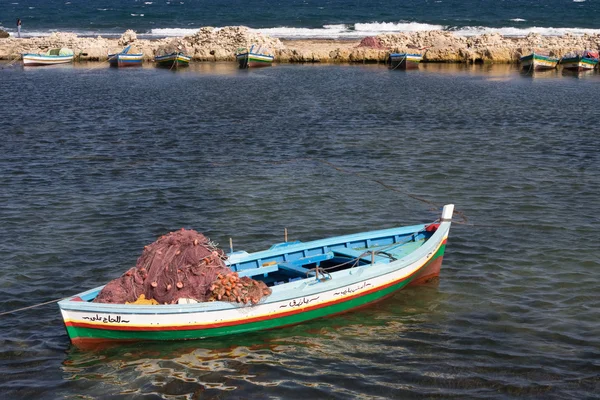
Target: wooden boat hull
[
  {"x": 254, "y": 60},
  {"x": 404, "y": 61},
  {"x": 40, "y": 59},
  {"x": 125, "y": 60},
  {"x": 172, "y": 61},
  {"x": 538, "y": 62},
  {"x": 579, "y": 63},
  {"x": 294, "y": 302}
]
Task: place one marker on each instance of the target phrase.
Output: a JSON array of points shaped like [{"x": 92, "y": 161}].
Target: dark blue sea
[
  {"x": 301, "y": 18},
  {"x": 96, "y": 163}
]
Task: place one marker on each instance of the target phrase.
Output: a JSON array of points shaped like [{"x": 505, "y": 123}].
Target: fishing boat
[
  {"x": 173, "y": 60},
  {"x": 308, "y": 280},
  {"x": 580, "y": 61},
  {"x": 254, "y": 58},
  {"x": 538, "y": 62},
  {"x": 51, "y": 57},
  {"x": 404, "y": 60},
  {"x": 125, "y": 58}
]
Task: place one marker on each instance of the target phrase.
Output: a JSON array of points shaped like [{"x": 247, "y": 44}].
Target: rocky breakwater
[
  {"x": 210, "y": 44},
  {"x": 436, "y": 46}
]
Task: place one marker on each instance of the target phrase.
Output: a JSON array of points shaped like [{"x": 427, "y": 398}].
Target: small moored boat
[
  {"x": 125, "y": 58},
  {"x": 307, "y": 281},
  {"x": 173, "y": 60},
  {"x": 580, "y": 61},
  {"x": 51, "y": 57},
  {"x": 538, "y": 62},
  {"x": 404, "y": 60},
  {"x": 254, "y": 58}
]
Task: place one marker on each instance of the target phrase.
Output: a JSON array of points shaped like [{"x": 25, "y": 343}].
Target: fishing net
[
  {"x": 183, "y": 266},
  {"x": 372, "y": 42}
]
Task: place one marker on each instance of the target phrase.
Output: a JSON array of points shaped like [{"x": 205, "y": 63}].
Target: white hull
[
  {"x": 36, "y": 59},
  {"x": 292, "y": 297}
]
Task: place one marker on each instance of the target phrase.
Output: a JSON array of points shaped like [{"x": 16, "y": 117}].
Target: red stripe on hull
[
  {"x": 430, "y": 272},
  {"x": 84, "y": 343}
]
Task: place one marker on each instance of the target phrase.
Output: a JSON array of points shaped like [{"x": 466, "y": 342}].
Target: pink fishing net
[
  {"x": 372, "y": 42},
  {"x": 182, "y": 265}
]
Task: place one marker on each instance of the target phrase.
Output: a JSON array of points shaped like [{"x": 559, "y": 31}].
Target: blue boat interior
[{"x": 290, "y": 261}]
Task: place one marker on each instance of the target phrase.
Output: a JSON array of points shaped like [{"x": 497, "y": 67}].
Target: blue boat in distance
[{"x": 125, "y": 58}]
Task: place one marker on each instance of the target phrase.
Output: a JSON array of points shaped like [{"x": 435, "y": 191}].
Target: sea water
[
  {"x": 301, "y": 18},
  {"x": 97, "y": 162}
]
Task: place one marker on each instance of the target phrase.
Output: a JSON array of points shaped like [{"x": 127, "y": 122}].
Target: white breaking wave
[
  {"x": 327, "y": 32},
  {"x": 173, "y": 32},
  {"x": 341, "y": 31},
  {"x": 382, "y": 27},
  {"x": 518, "y": 20},
  {"x": 512, "y": 31},
  {"x": 29, "y": 33}
]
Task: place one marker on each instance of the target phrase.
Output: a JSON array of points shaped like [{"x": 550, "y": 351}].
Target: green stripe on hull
[{"x": 81, "y": 333}]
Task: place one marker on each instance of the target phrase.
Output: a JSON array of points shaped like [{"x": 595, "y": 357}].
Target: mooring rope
[
  {"x": 100, "y": 64},
  {"x": 433, "y": 206},
  {"x": 405, "y": 55},
  {"x": 175, "y": 62},
  {"x": 530, "y": 67},
  {"x": 11, "y": 63},
  {"x": 33, "y": 306}
]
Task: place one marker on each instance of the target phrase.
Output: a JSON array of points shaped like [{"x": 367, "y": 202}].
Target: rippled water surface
[{"x": 97, "y": 162}]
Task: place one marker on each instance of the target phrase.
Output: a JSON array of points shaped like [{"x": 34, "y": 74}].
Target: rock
[
  {"x": 4, "y": 34},
  {"x": 127, "y": 38},
  {"x": 209, "y": 43},
  {"x": 175, "y": 45}
]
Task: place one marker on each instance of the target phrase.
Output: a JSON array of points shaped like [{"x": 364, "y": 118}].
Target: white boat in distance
[{"x": 51, "y": 57}]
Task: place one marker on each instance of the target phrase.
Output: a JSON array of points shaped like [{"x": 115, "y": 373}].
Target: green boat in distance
[
  {"x": 172, "y": 60},
  {"x": 538, "y": 62},
  {"x": 580, "y": 61},
  {"x": 256, "y": 57}
]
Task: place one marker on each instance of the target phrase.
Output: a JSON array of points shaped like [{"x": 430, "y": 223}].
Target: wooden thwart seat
[
  {"x": 364, "y": 255},
  {"x": 296, "y": 267},
  {"x": 250, "y": 272}
]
